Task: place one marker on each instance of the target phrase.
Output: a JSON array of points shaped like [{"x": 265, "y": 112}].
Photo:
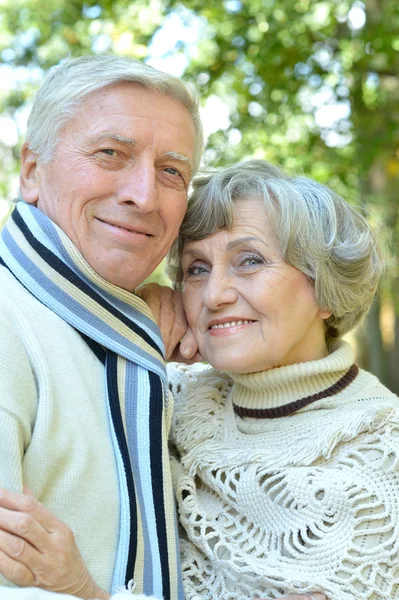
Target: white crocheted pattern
[{"x": 261, "y": 521}]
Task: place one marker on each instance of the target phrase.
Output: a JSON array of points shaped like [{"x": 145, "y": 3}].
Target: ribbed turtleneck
[{"x": 284, "y": 390}]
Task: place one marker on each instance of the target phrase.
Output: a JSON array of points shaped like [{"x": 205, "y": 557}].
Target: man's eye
[
  {"x": 173, "y": 171},
  {"x": 109, "y": 152}
]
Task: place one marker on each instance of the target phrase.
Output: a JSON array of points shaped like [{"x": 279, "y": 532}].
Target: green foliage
[
  {"x": 159, "y": 275},
  {"x": 314, "y": 86},
  {"x": 277, "y": 63},
  {"x": 310, "y": 84}
]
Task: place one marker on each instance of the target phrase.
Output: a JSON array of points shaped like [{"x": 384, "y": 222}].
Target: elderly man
[
  {"x": 84, "y": 411},
  {"x": 111, "y": 147}
]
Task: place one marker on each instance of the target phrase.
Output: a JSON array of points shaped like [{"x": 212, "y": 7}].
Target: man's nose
[
  {"x": 138, "y": 187},
  {"x": 220, "y": 291}
]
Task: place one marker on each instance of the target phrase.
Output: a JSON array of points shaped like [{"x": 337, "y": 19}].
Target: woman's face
[{"x": 250, "y": 310}]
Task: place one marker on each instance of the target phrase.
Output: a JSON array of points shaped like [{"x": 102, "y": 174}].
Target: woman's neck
[{"x": 277, "y": 391}]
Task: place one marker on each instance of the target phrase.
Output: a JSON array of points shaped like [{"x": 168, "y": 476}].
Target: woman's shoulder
[
  {"x": 200, "y": 394},
  {"x": 181, "y": 372},
  {"x": 186, "y": 379}
]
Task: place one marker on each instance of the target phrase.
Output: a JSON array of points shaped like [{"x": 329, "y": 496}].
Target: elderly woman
[{"x": 285, "y": 454}]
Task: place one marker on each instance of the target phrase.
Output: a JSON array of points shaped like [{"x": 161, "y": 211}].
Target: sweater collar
[{"x": 294, "y": 385}]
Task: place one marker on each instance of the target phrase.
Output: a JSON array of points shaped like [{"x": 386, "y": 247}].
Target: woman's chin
[{"x": 231, "y": 365}]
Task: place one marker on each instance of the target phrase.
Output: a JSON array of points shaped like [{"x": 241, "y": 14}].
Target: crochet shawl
[{"x": 292, "y": 504}]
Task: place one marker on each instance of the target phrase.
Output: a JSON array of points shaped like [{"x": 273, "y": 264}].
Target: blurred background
[{"x": 311, "y": 85}]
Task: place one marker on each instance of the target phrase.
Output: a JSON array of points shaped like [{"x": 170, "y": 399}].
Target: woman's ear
[
  {"x": 325, "y": 314},
  {"x": 29, "y": 177}
]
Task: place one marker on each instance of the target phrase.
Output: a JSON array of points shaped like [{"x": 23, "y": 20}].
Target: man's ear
[{"x": 29, "y": 177}]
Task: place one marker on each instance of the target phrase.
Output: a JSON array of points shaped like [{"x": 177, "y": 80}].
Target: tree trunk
[
  {"x": 393, "y": 358},
  {"x": 377, "y": 359}
]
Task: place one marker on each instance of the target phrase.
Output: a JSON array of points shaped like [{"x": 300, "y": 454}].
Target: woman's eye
[
  {"x": 250, "y": 261},
  {"x": 196, "y": 270}
]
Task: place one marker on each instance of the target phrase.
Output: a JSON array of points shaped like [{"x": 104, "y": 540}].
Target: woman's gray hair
[
  {"x": 319, "y": 234},
  {"x": 68, "y": 84}
]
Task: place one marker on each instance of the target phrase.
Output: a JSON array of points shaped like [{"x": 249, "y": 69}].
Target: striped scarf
[{"x": 119, "y": 327}]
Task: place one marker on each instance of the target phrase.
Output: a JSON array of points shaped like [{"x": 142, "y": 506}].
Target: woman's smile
[{"x": 223, "y": 327}]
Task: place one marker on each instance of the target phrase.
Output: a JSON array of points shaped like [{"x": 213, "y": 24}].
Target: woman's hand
[
  {"x": 167, "y": 307},
  {"x": 39, "y": 550}
]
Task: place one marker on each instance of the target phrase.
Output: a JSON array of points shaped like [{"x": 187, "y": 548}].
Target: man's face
[{"x": 117, "y": 184}]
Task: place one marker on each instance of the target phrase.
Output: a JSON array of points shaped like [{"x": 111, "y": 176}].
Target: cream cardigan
[
  {"x": 292, "y": 504},
  {"x": 54, "y": 431}
]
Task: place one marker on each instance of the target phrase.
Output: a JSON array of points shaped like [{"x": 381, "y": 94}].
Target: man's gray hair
[
  {"x": 319, "y": 234},
  {"x": 69, "y": 83}
]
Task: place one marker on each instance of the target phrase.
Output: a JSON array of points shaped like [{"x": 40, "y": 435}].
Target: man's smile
[{"x": 126, "y": 230}]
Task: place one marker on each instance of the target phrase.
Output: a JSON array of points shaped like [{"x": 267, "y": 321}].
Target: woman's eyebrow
[
  {"x": 190, "y": 253},
  {"x": 244, "y": 240},
  {"x": 193, "y": 252}
]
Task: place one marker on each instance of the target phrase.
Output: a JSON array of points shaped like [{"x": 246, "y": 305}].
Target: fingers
[
  {"x": 15, "y": 571},
  {"x": 151, "y": 294},
  {"x": 26, "y": 518},
  {"x": 18, "y": 559},
  {"x": 178, "y": 357},
  {"x": 20, "y": 535},
  {"x": 173, "y": 322},
  {"x": 167, "y": 308},
  {"x": 30, "y": 507},
  {"x": 22, "y": 526},
  {"x": 38, "y": 549},
  {"x": 188, "y": 345},
  {"x": 180, "y": 323}
]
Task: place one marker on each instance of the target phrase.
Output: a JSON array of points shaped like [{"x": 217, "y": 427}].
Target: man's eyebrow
[
  {"x": 180, "y": 157},
  {"x": 114, "y": 137}
]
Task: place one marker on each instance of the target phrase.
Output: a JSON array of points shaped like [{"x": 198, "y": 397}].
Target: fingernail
[
  {"x": 317, "y": 596},
  {"x": 186, "y": 350}
]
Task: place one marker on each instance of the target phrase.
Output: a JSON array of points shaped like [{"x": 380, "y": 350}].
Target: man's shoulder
[
  {"x": 14, "y": 298},
  {"x": 27, "y": 323},
  {"x": 17, "y": 304},
  {"x": 12, "y": 292}
]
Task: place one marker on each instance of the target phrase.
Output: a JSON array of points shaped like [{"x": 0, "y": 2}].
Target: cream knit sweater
[
  {"x": 293, "y": 504},
  {"x": 54, "y": 432}
]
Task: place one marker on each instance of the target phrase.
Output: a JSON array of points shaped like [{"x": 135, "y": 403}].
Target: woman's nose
[{"x": 219, "y": 291}]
